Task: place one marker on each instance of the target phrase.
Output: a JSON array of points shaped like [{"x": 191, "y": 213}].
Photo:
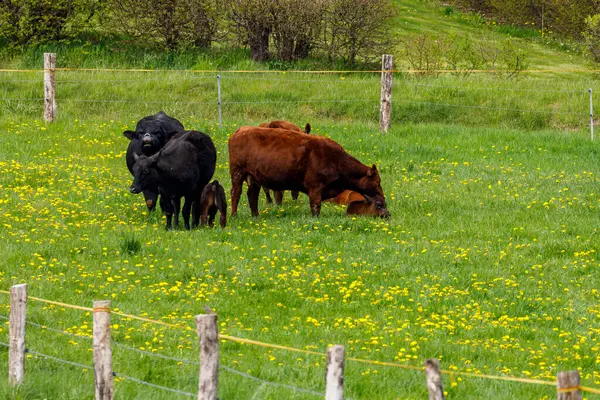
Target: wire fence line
[
  {"x": 118, "y": 375},
  {"x": 407, "y": 82},
  {"x": 156, "y": 355},
  {"x": 215, "y": 103}
]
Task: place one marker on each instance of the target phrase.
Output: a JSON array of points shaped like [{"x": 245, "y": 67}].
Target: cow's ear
[
  {"x": 154, "y": 158},
  {"x": 307, "y": 128},
  {"x": 130, "y": 135},
  {"x": 135, "y": 156}
]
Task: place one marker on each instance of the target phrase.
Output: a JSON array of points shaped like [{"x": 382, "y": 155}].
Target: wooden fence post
[
  {"x": 567, "y": 385},
  {"x": 434, "y": 379},
  {"x": 385, "y": 108},
  {"x": 334, "y": 376},
  {"x": 103, "y": 373},
  {"x": 49, "y": 87},
  {"x": 208, "y": 334},
  {"x": 17, "y": 323}
]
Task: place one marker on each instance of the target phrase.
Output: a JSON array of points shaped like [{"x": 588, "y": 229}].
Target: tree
[
  {"x": 170, "y": 23},
  {"x": 253, "y": 21},
  {"x": 39, "y": 21},
  {"x": 296, "y": 24},
  {"x": 357, "y": 29},
  {"x": 592, "y": 35}
]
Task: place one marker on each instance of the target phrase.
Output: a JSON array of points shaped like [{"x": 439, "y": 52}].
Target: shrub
[
  {"x": 357, "y": 29},
  {"x": 592, "y": 35},
  {"x": 168, "y": 23},
  {"x": 41, "y": 21}
]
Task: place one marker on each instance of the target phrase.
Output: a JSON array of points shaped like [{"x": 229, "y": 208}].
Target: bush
[
  {"x": 42, "y": 21},
  {"x": 592, "y": 35},
  {"x": 358, "y": 29},
  {"x": 168, "y": 23},
  {"x": 462, "y": 54}
]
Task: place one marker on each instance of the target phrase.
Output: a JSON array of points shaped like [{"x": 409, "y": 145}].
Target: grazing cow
[
  {"x": 287, "y": 160},
  {"x": 291, "y": 127},
  {"x": 181, "y": 169},
  {"x": 150, "y": 135},
  {"x": 213, "y": 200},
  {"x": 370, "y": 206}
]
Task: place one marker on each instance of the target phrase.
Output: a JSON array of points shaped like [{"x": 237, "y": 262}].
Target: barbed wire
[
  {"x": 229, "y": 369},
  {"x": 21, "y": 99},
  {"x": 489, "y": 108},
  {"x": 153, "y": 385},
  {"x": 118, "y": 375},
  {"x": 496, "y": 88},
  {"x": 283, "y": 385}
]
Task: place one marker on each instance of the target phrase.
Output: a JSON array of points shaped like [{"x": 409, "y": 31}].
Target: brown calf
[
  {"x": 287, "y": 160},
  {"x": 281, "y": 124},
  {"x": 369, "y": 206},
  {"x": 362, "y": 205},
  {"x": 213, "y": 200}
]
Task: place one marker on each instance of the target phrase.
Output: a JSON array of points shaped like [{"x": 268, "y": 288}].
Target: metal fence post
[
  {"x": 219, "y": 100},
  {"x": 591, "y": 114}
]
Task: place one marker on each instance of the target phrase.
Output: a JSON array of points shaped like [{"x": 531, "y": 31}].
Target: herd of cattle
[{"x": 171, "y": 163}]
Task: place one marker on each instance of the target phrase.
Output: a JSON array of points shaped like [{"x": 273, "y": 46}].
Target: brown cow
[
  {"x": 288, "y": 160},
  {"x": 281, "y": 124}
]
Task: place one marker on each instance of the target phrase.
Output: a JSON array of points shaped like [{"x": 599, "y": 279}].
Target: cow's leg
[
  {"x": 294, "y": 194},
  {"x": 196, "y": 212},
  {"x": 187, "y": 207},
  {"x": 223, "y": 220},
  {"x": 315, "y": 201},
  {"x": 176, "y": 207},
  {"x": 211, "y": 216},
  {"x": 237, "y": 180},
  {"x": 278, "y": 197},
  {"x": 253, "y": 192},
  {"x": 167, "y": 206},
  {"x": 151, "y": 199},
  {"x": 268, "y": 194}
]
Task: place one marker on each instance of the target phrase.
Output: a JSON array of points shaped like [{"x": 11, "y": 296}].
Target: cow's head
[
  {"x": 370, "y": 183},
  {"x": 144, "y": 173},
  {"x": 152, "y": 141},
  {"x": 370, "y": 206}
]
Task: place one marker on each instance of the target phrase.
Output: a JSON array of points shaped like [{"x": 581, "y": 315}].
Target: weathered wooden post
[
  {"x": 208, "y": 334},
  {"x": 567, "y": 385},
  {"x": 434, "y": 379},
  {"x": 385, "y": 108},
  {"x": 334, "y": 376},
  {"x": 103, "y": 373},
  {"x": 17, "y": 322},
  {"x": 49, "y": 87}
]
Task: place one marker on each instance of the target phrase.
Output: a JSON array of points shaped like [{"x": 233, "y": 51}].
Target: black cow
[
  {"x": 181, "y": 169},
  {"x": 150, "y": 135}
]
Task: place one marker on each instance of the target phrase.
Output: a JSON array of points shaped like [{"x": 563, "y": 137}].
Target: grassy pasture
[{"x": 488, "y": 262}]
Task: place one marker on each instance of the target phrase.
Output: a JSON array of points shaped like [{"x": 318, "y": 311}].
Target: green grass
[{"x": 488, "y": 263}]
